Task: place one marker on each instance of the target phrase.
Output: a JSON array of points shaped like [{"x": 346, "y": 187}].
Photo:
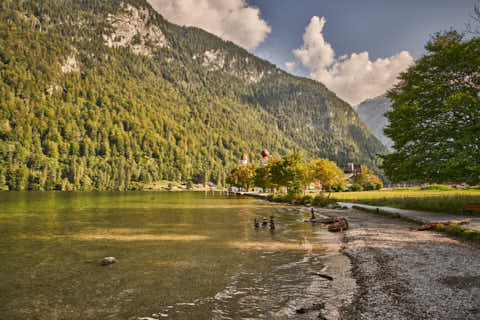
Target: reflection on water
[{"x": 180, "y": 256}]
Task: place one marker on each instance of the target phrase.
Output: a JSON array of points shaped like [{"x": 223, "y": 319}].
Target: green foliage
[
  {"x": 243, "y": 176},
  {"x": 279, "y": 198},
  {"x": 436, "y": 187},
  {"x": 328, "y": 174},
  {"x": 356, "y": 187},
  {"x": 305, "y": 200},
  {"x": 262, "y": 177},
  {"x": 322, "y": 201},
  {"x": 291, "y": 172},
  {"x": 121, "y": 121},
  {"x": 436, "y": 115},
  {"x": 452, "y": 202},
  {"x": 367, "y": 180},
  {"x": 459, "y": 231}
]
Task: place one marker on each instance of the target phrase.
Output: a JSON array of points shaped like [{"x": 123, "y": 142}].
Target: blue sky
[
  {"x": 381, "y": 27},
  {"x": 357, "y": 48}
]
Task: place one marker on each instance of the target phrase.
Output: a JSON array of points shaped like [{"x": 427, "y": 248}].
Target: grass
[
  {"x": 453, "y": 230},
  {"x": 450, "y": 201},
  {"x": 318, "y": 201},
  {"x": 459, "y": 231}
]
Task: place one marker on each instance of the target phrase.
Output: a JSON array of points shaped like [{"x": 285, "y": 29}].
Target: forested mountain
[
  {"x": 372, "y": 112},
  {"x": 107, "y": 95}
]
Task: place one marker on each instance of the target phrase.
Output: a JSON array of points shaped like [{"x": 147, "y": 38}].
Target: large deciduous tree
[
  {"x": 328, "y": 174},
  {"x": 291, "y": 172},
  {"x": 368, "y": 180},
  {"x": 435, "y": 121},
  {"x": 243, "y": 176}
]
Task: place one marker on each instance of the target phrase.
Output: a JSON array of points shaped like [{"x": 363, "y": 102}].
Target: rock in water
[{"x": 108, "y": 261}]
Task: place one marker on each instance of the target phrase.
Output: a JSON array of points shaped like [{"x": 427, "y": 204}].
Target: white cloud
[
  {"x": 291, "y": 66},
  {"x": 354, "y": 77},
  {"x": 231, "y": 20}
]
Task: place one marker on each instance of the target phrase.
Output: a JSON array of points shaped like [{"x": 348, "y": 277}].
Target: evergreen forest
[{"x": 86, "y": 105}]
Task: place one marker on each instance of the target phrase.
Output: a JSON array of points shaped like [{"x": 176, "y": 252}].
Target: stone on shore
[{"x": 108, "y": 261}]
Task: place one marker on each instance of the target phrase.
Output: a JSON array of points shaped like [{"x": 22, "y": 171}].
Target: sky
[{"x": 356, "y": 48}]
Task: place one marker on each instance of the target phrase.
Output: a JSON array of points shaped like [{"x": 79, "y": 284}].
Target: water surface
[{"x": 180, "y": 256}]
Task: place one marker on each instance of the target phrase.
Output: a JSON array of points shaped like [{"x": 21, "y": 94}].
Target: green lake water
[{"x": 180, "y": 256}]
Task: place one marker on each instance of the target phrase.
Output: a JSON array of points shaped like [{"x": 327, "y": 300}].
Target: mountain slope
[
  {"x": 107, "y": 95},
  {"x": 372, "y": 112}
]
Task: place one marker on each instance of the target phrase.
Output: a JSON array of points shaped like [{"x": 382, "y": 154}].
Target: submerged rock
[{"x": 108, "y": 261}]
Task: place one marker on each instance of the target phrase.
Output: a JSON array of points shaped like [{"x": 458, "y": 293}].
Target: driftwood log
[
  {"x": 339, "y": 225},
  {"x": 431, "y": 226}
]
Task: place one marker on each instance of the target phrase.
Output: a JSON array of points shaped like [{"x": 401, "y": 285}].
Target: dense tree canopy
[
  {"x": 435, "y": 122},
  {"x": 296, "y": 174},
  {"x": 243, "y": 176}
]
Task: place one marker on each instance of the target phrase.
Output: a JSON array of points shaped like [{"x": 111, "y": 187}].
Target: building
[
  {"x": 351, "y": 169},
  {"x": 244, "y": 160},
  {"x": 265, "y": 154}
]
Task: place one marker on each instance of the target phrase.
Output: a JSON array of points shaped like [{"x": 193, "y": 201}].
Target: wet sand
[{"x": 401, "y": 273}]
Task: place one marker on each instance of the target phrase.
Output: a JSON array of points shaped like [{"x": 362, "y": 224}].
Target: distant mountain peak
[{"x": 372, "y": 112}]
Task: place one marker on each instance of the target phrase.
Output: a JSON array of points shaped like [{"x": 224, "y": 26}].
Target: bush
[
  {"x": 339, "y": 188},
  {"x": 305, "y": 200},
  {"x": 322, "y": 201},
  {"x": 436, "y": 187},
  {"x": 278, "y": 198},
  {"x": 356, "y": 187}
]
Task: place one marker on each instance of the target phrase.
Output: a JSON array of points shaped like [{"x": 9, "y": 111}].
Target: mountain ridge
[{"x": 88, "y": 104}]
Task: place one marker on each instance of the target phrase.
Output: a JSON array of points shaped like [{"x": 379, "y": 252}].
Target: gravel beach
[{"x": 401, "y": 273}]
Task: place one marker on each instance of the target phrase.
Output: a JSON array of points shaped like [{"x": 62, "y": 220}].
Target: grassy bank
[
  {"x": 449, "y": 201},
  {"x": 453, "y": 230},
  {"x": 319, "y": 200}
]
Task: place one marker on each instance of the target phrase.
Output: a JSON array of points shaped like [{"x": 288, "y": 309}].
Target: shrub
[
  {"x": 278, "y": 198},
  {"x": 322, "y": 201},
  {"x": 356, "y": 187},
  {"x": 305, "y": 200},
  {"x": 436, "y": 187}
]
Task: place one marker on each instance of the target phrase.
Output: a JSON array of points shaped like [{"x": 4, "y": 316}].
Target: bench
[{"x": 471, "y": 207}]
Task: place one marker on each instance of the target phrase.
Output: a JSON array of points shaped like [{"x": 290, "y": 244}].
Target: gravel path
[
  {"x": 402, "y": 273},
  {"x": 421, "y": 216}
]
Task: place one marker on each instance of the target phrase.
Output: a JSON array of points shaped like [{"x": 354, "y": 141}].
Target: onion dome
[{"x": 244, "y": 157}]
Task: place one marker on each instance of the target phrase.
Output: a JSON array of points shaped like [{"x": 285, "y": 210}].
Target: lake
[{"x": 180, "y": 256}]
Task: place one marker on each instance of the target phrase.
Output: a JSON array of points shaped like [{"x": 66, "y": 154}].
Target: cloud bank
[
  {"x": 231, "y": 20},
  {"x": 354, "y": 77}
]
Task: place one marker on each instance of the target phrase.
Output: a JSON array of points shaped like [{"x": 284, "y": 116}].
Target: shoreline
[
  {"x": 392, "y": 271},
  {"x": 401, "y": 273}
]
